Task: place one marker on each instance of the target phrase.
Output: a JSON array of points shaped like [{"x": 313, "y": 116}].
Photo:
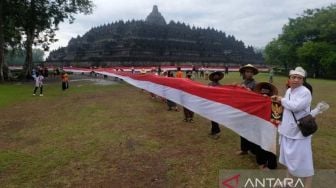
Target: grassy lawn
[{"x": 117, "y": 136}]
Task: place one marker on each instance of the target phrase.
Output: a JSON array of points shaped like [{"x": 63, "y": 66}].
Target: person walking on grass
[
  {"x": 226, "y": 70},
  {"x": 270, "y": 75},
  {"x": 38, "y": 83},
  {"x": 179, "y": 73},
  {"x": 65, "y": 81}
]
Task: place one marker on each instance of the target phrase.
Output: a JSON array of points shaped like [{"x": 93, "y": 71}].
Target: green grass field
[{"x": 117, "y": 136}]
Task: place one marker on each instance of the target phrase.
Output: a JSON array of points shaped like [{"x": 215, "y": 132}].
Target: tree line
[
  {"x": 28, "y": 23},
  {"x": 308, "y": 41},
  {"x": 18, "y": 56}
]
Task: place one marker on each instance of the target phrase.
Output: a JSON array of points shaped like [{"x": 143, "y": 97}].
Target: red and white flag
[{"x": 243, "y": 111}]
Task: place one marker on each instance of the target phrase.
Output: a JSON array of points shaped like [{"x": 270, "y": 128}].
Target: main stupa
[{"x": 155, "y": 17}]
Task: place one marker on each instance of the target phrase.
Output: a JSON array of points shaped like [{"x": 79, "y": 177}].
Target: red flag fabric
[{"x": 243, "y": 111}]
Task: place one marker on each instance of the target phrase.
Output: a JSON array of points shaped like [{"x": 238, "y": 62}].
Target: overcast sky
[{"x": 255, "y": 22}]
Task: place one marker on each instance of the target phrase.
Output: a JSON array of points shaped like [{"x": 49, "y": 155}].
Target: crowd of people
[
  {"x": 295, "y": 149},
  {"x": 40, "y": 74}
]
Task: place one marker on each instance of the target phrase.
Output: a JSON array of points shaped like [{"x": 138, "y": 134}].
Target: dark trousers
[
  {"x": 41, "y": 89},
  {"x": 65, "y": 85},
  {"x": 266, "y": 158},
  {"x": 170, "y": 104},
  {"x": 246, "y": 145},
  {"x": 214, "y": 128},
  {"x": 188, "y": 114}
]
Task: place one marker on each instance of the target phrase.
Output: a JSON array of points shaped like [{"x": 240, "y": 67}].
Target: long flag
[{"x": 243, "y": 111}]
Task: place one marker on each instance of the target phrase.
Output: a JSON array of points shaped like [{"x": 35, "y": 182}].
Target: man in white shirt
[
  {"x": 39, "y": 83},
  {"x": 295, "y": 149}
]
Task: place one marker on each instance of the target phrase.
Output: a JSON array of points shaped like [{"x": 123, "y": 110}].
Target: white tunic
[
  {"x": 297, "y": 156},
  {"x": 295, "y": 149},
  {"x": 298, "y": 101},
  {"x": 39, "y": 81}
]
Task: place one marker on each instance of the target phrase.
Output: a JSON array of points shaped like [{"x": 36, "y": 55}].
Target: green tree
[
  {"x": 18, "y": 56},
  {"x": 310, "y": 55},
  {"x": 2, "y": 40},
  {"x": 43, "y": 19},
  {"x": 38, "y": 55},
  {"x": 309, "y": 41},
  {"x": 9, "y": 36},
  {"x": 15, "y": 57}
]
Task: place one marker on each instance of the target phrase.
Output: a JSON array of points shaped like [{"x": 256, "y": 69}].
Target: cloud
[{"x": 255, "y": 22}]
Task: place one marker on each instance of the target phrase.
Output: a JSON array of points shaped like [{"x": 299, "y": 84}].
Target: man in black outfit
[
  {"x": 265, "y": 159},
  {"x": 215, "y": 77},
  {"x": 247, "y": 72}
]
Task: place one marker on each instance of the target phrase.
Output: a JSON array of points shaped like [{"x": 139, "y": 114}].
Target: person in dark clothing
[
  {"x": 188, "y": 114},
  {"x": 202, "y": 72},
  {"x": 265, "y": 159},
  {"x": 215, "y": 77},
  {"x": 45, "y": 72},
  {"x": 171, "y": 105},
  {"x": 226, "y": 70},
  {"x": 57, "y": 71},
  {"x": 159, "y": 70},
  {"x": 307, "y": 85},
  {"x": 65, "y": 81},
  {"x": 247, "y": 72}
]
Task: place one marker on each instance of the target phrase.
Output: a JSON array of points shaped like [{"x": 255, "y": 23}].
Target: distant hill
[{"x": 151, "y": 41}]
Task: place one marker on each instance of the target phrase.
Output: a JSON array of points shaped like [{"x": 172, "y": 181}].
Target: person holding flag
[
  {"x": 295, "y": 148},
  {"x": 247, "y": 71},
  {"x": 215, "y": 77}
]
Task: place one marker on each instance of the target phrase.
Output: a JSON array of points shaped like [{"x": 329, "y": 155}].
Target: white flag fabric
[{"x": 243, "y": 111}]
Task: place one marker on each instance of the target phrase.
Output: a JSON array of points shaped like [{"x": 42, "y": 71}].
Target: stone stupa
[{"x": 155, "y": 17}]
